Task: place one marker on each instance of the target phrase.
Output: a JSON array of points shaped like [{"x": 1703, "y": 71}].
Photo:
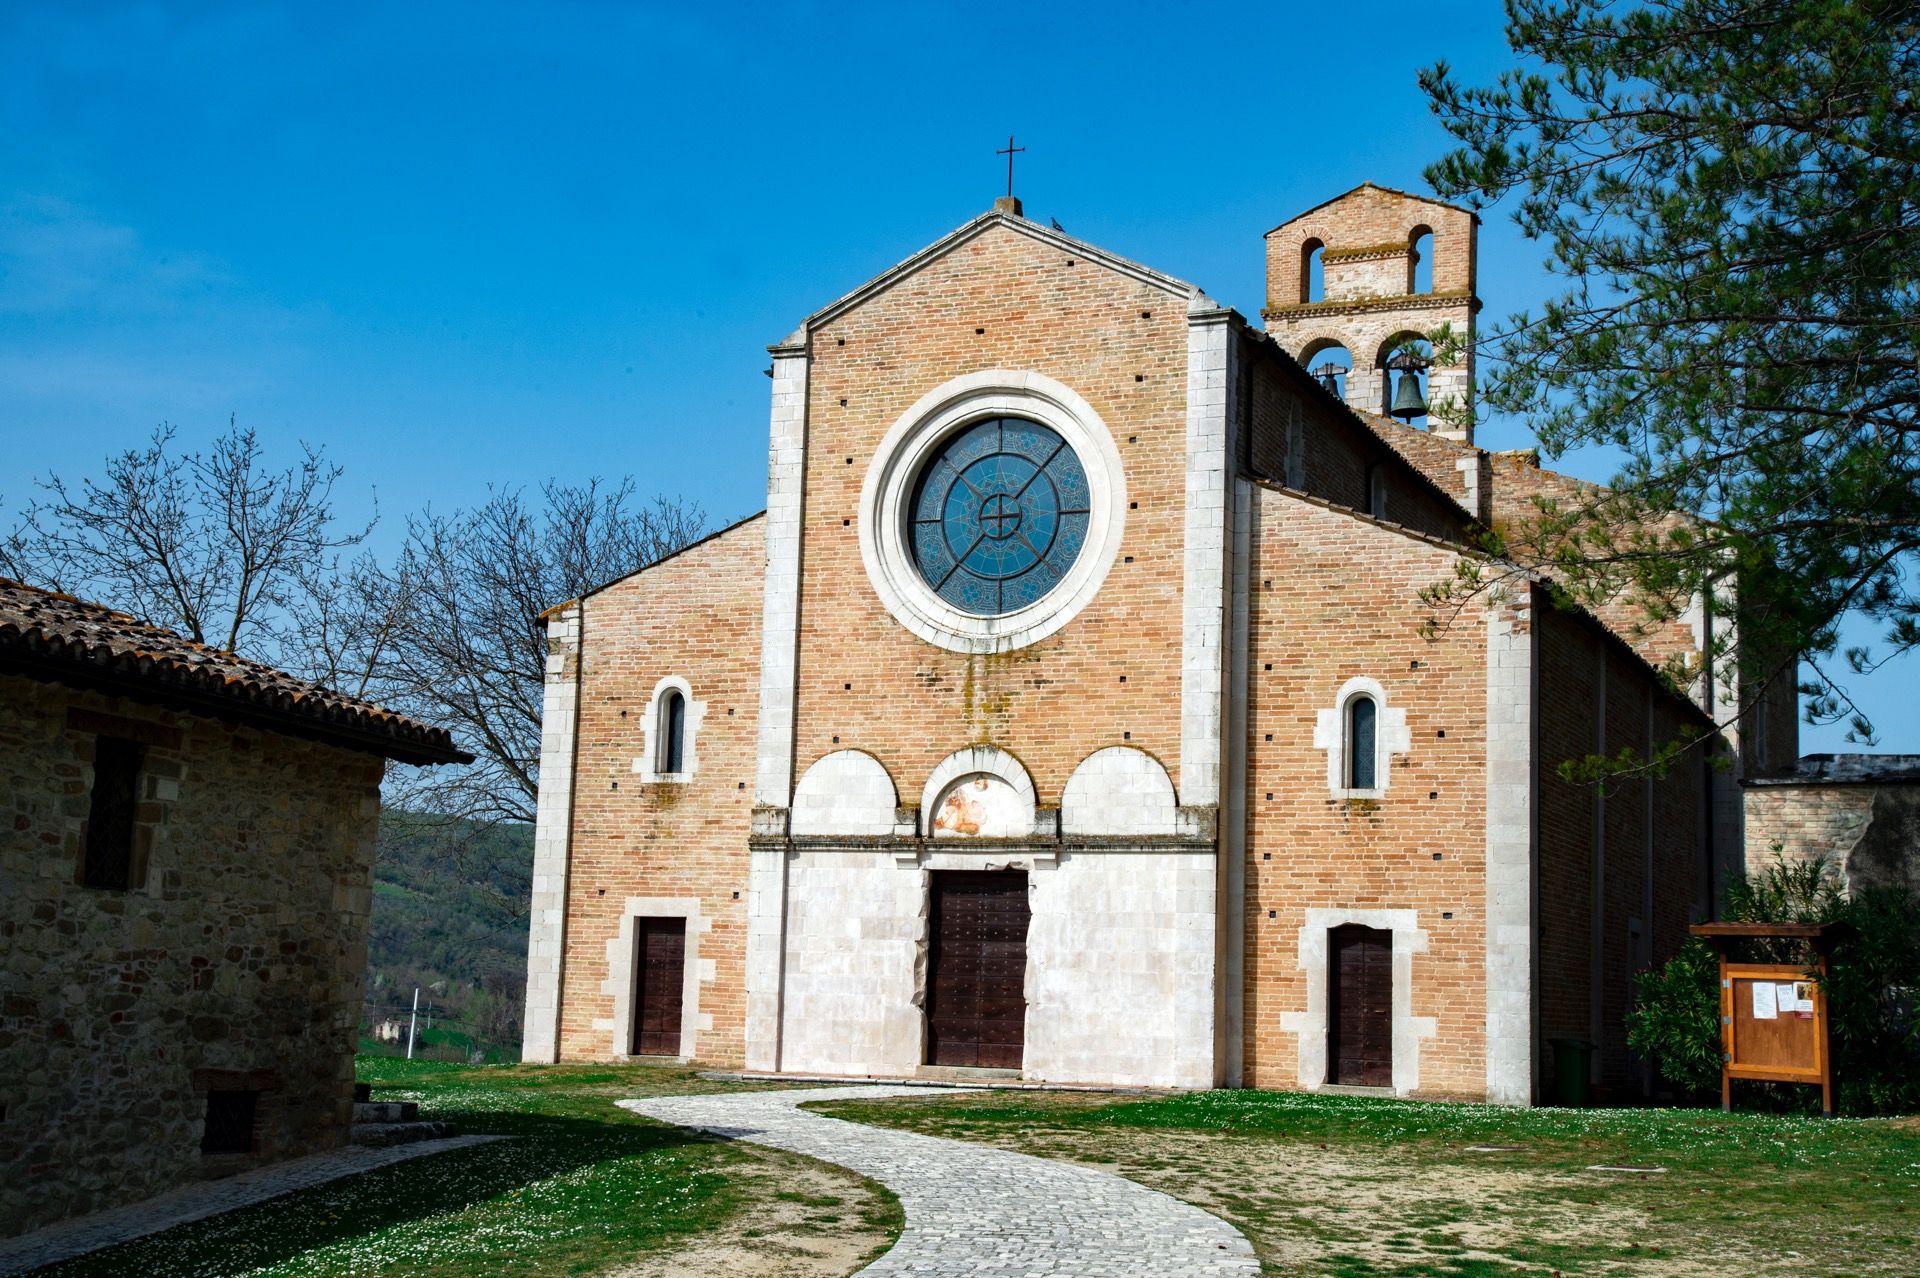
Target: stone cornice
[{"x": 1364, "y": 305}]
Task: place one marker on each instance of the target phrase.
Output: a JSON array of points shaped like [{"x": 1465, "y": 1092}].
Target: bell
[{"x": 1408, "y": 402}]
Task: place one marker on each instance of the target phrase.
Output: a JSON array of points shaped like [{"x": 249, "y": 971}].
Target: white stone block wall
[
  {"x": 848, "y": 792},
  {"x": 552, "y": 838},
  {"x": 1119, "y": 790},
  {"x": 1205, "y": 585},
  {"x": 855, "y": 962},
  {"x": 1120, "y": 969}
]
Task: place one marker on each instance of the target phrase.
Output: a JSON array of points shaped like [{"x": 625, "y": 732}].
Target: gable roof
[
  {"x": 972, "y": 230},
  {"x": 52, "y": 636},
  {"x": 1389, "y": 190}
]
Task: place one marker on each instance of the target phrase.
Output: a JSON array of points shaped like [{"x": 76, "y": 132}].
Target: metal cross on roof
[{"x": 1010, "y": 150}]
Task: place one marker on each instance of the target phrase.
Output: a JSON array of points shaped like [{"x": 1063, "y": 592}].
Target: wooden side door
[
  {"x": 977, "y": 970},
  {"x": 659, "y": 961},
  {"x": 1360, "y": 1007}
]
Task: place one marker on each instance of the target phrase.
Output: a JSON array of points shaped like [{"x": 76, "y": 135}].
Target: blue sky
[{"x": 472, "y": 245}]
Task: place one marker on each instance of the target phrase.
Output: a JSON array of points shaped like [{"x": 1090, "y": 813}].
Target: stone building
[
  {"x": 1861, "y": 811},
  {"x": 1072, "y": 710},
  {"x": 185, "y": 879}
]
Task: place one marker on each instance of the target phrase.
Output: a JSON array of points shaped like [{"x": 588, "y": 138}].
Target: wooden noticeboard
[{"x": 1773, "y": 1016}]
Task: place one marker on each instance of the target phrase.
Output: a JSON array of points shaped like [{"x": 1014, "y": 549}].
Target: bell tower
[{"x": 1367, "y": 274}]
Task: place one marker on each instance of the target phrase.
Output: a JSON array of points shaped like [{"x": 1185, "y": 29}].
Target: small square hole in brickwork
[
  {"x": 843, "y": 403},
  {"x": 729, "y": 711},
  {"x": 1269, "y": 736},
  {"x": 1438, "y": 855},
  {"x": 846, "y": 523},
  {"x": 1266, "y": 856},
  {"x": 741, "y": 786},
  {"x": 1133, "y": 439},
  {"x": 847, "y": 687},
  {"x": 1434, "y": 794},
  {"x": 841, "y": 342},
  {"x": 613, "y": 785},
  {"x": 600, "y": 892},
  {"x": 849, "y": 461},
  {"x": 1129, "y": 559},
  {"x": 1146, "y": 314},
  {"x": 836, "y": 740},
  {"x": 1273, "y": 914},
  {"x": 1443, "y": 732},
  {"x": 230, "y": 1115},
  {"x": 1269, "y": 796},
  {"x": 1446, "y": 914},
  {"x": 1123, "y": 678},
  {"x": 1267, "y": 584},
  {"x": 1133, "y": 505},
  {"x": 1269, "y": 665},
  {"x": 979, "y": 332},
  {"x": 736, "y": 896},
  {"x": 1139, "y": 377},
  {"x": 1126, "y": 736},
  {"x": 1413, "y": 665}
]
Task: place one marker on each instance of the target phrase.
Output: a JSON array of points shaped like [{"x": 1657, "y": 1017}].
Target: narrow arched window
[
  {"x": 673, "y": 733},
  {"x": 1362, "y": 717}
]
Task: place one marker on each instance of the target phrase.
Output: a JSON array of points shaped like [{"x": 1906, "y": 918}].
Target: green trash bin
[{"x": 1572, "y": 1072}]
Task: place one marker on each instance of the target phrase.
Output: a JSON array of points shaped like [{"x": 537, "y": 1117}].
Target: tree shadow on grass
[{"x": 521, "y": 1205}]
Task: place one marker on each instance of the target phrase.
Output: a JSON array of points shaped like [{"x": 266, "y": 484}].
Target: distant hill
[{"x": 449, "y": 916}]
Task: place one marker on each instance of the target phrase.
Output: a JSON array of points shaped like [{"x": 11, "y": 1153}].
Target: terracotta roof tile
[{"x": 57, "y": 636}]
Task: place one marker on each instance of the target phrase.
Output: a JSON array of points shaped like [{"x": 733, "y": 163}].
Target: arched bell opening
[
  {"x": 1420, "y": 260},
  {"x": 1330, "y": 363},
  {"x": 1313, "y": 278},
  {"x": 1403, "y": 362}
]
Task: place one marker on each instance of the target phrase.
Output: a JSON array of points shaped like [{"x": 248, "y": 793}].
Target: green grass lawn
[
  {"x": 584, "y": 1185},
  {"x": 1348, "y": 1186}
]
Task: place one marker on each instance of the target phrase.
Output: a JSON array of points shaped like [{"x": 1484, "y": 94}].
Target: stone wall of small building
[
  {"x": 236, "y": 961},
  {"x": 1870, "y": 832}
]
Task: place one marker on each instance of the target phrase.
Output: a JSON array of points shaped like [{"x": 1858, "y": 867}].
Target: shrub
[{"x": 1871, "y": 987}]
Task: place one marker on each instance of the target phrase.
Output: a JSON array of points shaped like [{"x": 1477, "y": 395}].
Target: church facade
[{"x": 1073, "y": 711}]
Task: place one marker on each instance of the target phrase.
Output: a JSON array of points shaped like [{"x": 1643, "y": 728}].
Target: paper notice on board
[
  {"x": 1765, "y": 1001},
  {"x": 1786, "y": 999},
  {"x": 1803, "y": 999}
]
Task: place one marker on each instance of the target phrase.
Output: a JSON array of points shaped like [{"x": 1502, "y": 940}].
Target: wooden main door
[
  {"x": 1360, "y": 1007},
  {"x": 976, "y": 982},
  {"x": 659, "y": 963}
]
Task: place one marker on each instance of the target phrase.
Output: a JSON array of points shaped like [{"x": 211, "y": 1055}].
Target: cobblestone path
[
  {"x": 77, "y": 1237},
  {"x": 977, "y": 1212}
]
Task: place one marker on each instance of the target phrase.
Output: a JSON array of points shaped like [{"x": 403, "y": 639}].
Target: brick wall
[
  {"x": 696, "y": 615},
  {"x": 1334, "y": 597},
  {"x": 1621, "y": 867},
  {"x": 236, "y": 960},
  {"x": 1111, "y": 676}
]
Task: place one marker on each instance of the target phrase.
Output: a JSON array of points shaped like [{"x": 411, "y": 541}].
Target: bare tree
[
  {"x": 214, "y": 545},
  {"x": 459, "y": 615}
]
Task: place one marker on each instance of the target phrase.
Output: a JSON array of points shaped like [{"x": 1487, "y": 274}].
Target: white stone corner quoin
[
  {"x": 848, "y": 792},
  {"x": 647, "y": 765},
  {"x": 552, "y": 837},
  {"x": 1391, "y": 736},
  {"x": 980, "y": 791},
  {"x": 907, "y": 448},
  {"x": 1119, "y": 791},
  {"x": 1513, "y": 692}
]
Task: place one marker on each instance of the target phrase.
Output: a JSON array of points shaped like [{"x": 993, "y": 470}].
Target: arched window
[
  {"x": 1329, "y": 362},
  {"x": 673, "y": 733},
  {"x": 1313, "y": 280},
  {"x": 1420, "y": 260},
  {"x": 1362, "y": 742}
]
